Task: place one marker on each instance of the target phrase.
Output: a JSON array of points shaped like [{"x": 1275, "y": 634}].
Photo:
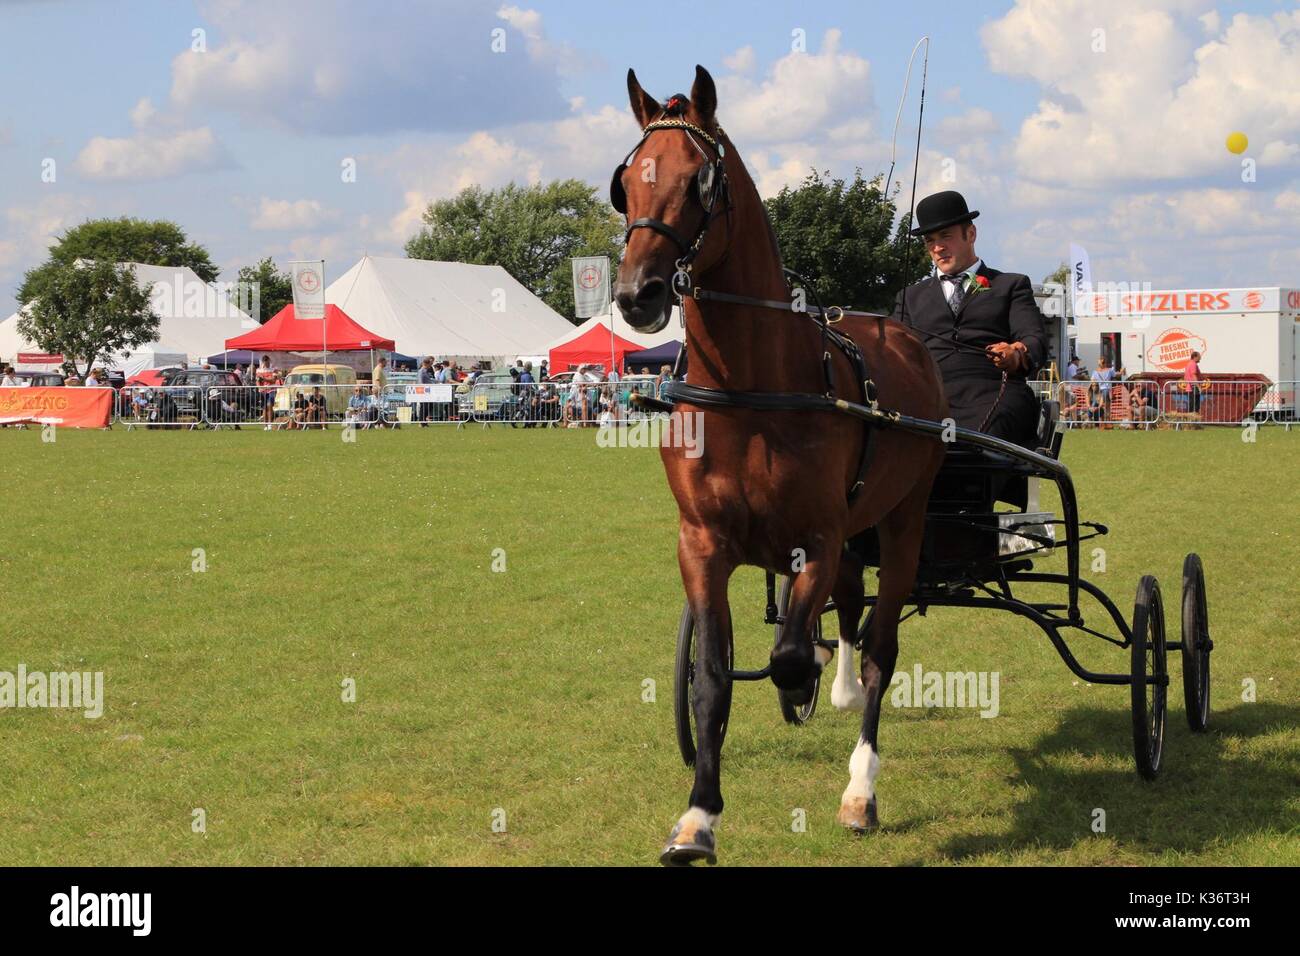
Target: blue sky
[{"x": 1101, "y": 122}]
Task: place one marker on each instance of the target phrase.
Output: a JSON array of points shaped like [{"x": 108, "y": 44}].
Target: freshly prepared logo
[
  {"x": 589, "y": 277},
  {"x": 1253, "y": 300},
  {"x": 1173, "y": 349},
  {"x": 1293, "y": 299}
]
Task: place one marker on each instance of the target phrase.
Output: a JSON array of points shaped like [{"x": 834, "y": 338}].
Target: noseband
[{"x": 710, "y": 186}]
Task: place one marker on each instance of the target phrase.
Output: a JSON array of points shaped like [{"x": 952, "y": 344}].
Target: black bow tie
[{"x": 952, "y": 278}]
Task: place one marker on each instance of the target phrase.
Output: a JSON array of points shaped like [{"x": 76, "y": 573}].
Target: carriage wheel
[
  {"x": 1148, "y": 661},
  {"x": 1196, "y": 645},
  {"x": 796, "y": 713},
  {"x": 684, "y": 685}
]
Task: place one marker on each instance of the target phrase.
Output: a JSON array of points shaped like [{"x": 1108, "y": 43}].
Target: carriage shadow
[{"x": 1213, "y": 787}]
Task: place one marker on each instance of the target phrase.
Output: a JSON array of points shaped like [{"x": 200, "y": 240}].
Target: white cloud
[
  {"x": 320, "y": 66},
  {"x": 290, "y": 214},
  {"x": 147, "y": 157},
  {"x": 142, "y": 113},
  {"x": 1153, "y": 106},
  {"x": 801, "y": 95},
  {"x": 30, "y": 229},
  {"x": 742, "y": 61}
]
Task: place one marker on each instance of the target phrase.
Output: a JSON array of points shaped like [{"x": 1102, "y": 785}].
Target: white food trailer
[{"x": 1237, "y": 331}]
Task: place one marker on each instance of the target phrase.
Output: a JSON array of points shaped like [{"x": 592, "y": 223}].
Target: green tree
[
  {"x": 274, "y": 288},
  {"x": 89, "y": 311},
  {"x": 1061, "y": 276},
  {"x": 151, "y": 242},
  {"x": 840, "y": 236},
  {"x": 530, "y": 231}
]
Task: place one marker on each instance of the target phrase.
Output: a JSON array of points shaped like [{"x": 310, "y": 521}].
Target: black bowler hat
[{"x": 942, "y": 209}]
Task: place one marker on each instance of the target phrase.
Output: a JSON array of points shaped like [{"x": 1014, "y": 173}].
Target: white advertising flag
[
  {"x": 590, "y": 286},
  {"x": 1080, "y": 272},
  {"x": 308, "y": 288}
]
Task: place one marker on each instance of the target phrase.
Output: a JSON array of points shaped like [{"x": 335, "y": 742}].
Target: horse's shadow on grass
[{"x": 1211, "y": 787}]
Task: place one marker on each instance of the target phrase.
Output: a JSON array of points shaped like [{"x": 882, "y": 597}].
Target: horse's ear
[
  {"x": 704, "y": 95},
  {"x": 644, "y": 106}
]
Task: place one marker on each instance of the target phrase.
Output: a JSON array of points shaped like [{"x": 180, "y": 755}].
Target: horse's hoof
[
  {"x": 793, "y": 672},
  {"x": 687, "y": 843},
  {"x": 859, "y": 815}
]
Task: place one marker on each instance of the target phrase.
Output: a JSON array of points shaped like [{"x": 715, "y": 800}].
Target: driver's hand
[{"x": 1008, "y": 356}]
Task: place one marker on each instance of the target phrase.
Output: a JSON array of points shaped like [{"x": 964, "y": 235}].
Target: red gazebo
[
  {"x": 285, "y": 332},
  {"x": 593, "y": 347}
]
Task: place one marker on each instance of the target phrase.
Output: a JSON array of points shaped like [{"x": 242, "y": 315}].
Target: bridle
[{"x": 710, "y": 186}]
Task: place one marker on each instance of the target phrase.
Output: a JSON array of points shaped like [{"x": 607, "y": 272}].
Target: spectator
[
  {"x": 92, "y": 380},
  {"x": 1103, "y": 376},
  {"x": 72, "y": 380},
  {"x": 379, "y": 377},
  {"x": 1072, "y": 370},
  {"x": 1194, "y": 382},
  {"x": 542, "y": 372},
  {"x": 1096, "y": 402},
  {"x": 316, "y": 409},
  {"x": 357, "y": 407},
  {"x": 427, "y": 376},
  {"x": 10, "y": 380},
  {"x": 266, "y": 381},
  {"x": 1141, "y": 409}
]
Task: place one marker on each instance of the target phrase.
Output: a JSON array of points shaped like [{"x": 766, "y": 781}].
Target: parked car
[
  {"x": 41, "y": 379},
  {"x": 336, "y": 381},
  {"x": 186, "y": 393},
  {"x": 497, "y": 389}
]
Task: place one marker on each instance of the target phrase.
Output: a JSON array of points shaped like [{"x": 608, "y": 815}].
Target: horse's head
[{"x": 671, "y": 187}]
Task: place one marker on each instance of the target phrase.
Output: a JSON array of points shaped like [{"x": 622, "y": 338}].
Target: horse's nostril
[{"x": 651, "y": 292}]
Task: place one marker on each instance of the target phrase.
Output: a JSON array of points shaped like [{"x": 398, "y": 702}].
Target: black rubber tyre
[
  {"x": 684, "y": 685},
  {"x": 792, "y": 712},
  {"x": 1148, "y": 660},
  {"x": 1196, "y": 645}
]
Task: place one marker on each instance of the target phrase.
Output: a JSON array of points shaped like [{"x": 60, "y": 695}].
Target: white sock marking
[
  {"x": 846, "y": 692},
  {"x": 863, "y": 767}
]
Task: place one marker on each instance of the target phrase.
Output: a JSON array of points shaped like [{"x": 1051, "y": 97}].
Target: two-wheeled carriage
[{"x": 975, "y": 556}]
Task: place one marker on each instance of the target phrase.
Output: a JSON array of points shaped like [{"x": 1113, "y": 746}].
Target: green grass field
[{"x": 522, "y": 691}]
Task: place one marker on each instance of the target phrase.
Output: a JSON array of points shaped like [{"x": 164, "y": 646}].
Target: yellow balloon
[{"x": 1237, "y": 143}]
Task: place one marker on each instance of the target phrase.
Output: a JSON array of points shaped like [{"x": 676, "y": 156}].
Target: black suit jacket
[{"x": 1004, "y": 312}]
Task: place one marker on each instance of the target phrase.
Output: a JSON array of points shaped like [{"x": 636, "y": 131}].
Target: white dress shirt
[{"x": 948, "y": 287}]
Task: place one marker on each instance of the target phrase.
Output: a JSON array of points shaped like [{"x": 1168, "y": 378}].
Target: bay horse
[{"x": 767, "y": 488}]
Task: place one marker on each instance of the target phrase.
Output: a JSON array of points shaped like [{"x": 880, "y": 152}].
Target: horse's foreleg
[
  {"x": 794, "y": 661},
  {"x": 705, "y": 573},
  {"x": 846, "y": 692},
  {"x": 900, "y": 550}
]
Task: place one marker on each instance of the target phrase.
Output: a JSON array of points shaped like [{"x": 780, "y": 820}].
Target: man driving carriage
[{"x": 978, "y": 323}]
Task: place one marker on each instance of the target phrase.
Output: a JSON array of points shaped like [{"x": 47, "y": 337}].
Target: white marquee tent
[
  {"x": 195, "y": 319},
  {"x": 672, "y": 332},
  {"x": 447, "y": 309}
]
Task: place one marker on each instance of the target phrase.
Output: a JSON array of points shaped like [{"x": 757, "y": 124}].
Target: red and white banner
[
  {"x": 65, "y": 407},
  {"x": 38, "y": 358},
  {"x": 1187, "y": 302},
  {"x": 308, "y": 289}
]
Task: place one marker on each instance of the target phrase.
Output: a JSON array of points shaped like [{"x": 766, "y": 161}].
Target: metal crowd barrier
[
  {"x": 556, "y": 404},
  {"x": 563, "y": 404}
]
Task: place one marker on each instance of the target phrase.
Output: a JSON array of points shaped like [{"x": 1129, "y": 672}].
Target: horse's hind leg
[
  {"x": 846, "y": 692},
  {"x": 900, "y": 550},
  {"x": 705, "y": 573}
]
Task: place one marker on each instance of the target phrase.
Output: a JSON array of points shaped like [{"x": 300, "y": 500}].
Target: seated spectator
[
  {"x": 10, "y": 380},
  {"x": 1096, "y": 403},
  {"x": 358, "y": 407},
  {"x": 221, "y": 409},
  {"x": 316, "y": 408},
  {"x": 1141, "y": 410}
]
